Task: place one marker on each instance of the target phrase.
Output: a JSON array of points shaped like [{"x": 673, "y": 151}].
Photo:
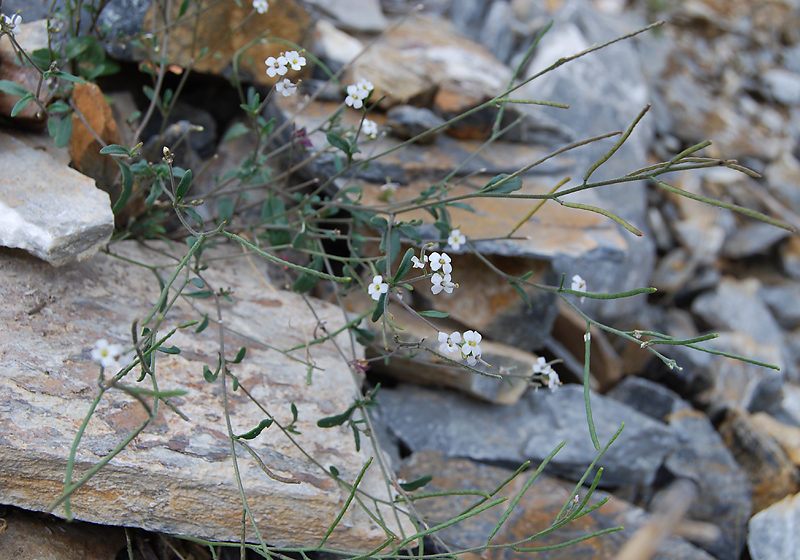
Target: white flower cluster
[
  {"x": 470, "y": 349},
  {"x": 545, "y": 374},
  {"x": 370, "y": 128},
  {"x": 108, "y": 355},
  {"x": 10, "y": 23},
  {"x": 357, "y": 93},
  {"x": 280, "y": 66},
  {"x": 260, "y": 6}
]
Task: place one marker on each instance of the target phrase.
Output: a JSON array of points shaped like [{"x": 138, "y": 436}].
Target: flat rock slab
[
  {"x": 48, "y": 209},
  {"x": 177, "y": 476}
]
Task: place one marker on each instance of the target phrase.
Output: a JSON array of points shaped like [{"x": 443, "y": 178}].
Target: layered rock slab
[{"x": 177, "y": 475}]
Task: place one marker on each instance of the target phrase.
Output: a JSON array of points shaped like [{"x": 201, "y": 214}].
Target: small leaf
[
  {"x": 60, "y": 107},
  {"x": 194, "y": 215},
  {"x": 435, "y": 314},
  {"x": 410, "y": 232},
  {"x": 507, "y": 187},
  {"x": 69, "y": 77},
  {"x": 183, "y": 186},
  {"x": 379, "y": 308},
  {"x": 21, "y": 104},
  {"x": 13, "y": 88},
  {"x": 208, "y": 375},
  {"x": 338, "y": 420},
  {"x": 338, "y": 142},
  {"x": 127, "y": 188},
  {"x": 202, "y": 325},
  {"x": 255, "y": 432},
  {"x": 169, "y": 349},
  {"x": 63, "y": 132},
  {"x": 78, "y": 45},
  {"x": 334, "y": 471},
  {"x": 416, "y": 484},
  {"x": 197, "y": 282},
  {"x": 405, "y": 266},
  {"x": 239, "y": 355},
  {"x": 111, "y": 149},
  {"x": 238, "y": 129},
  {"x": 225, "y": 209},
  {"x": 202, "y": 294},
  {"x": 522, "y": 294}
]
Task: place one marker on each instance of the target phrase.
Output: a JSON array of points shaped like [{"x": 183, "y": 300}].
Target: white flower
[
  {"x": 419, "y": 263},
  {"x": 579, "y": 285},
  {"x": 260, "y": 6},
  {"x": 541, "y": 366},
  {"x": 441, "y": 261},
  {"x": 456, "y": 240},
  {"x": 294, "y": 59},
  {"x": 276, "y": 66},
  {"x": 471, "y": 350},
  {"x": 106, "y": 354},
  {"x": 364, "y": 87},
  {"x": 370, "y": 128},
  {"x": 377, "y": 288},
  {"x": 440, "y": 283},
  {"x": 12, "y": 22},
  {"x": 352, "y": 99},
  {"x": 553, "y": 381},
  {"x": 449, "y": 343},
  {"x": 286, "y": 87}
]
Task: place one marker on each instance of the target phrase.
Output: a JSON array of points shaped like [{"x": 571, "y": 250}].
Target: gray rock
[
  {"x": 751, "y": 239},
  {"x": 407, "y": 122},
  {"x": 773, "y": 531},
  {"x": 354, "y": 15},
  {"x": 530, "y": 430},
  {"x": 651, "y": 399},
  {"x": 784, "y": 302},
  {"x": 725, "y": 492},
  {"x": 48, "y": 209},
  {"x": 735, "y": 306},
  {"x": 784, "y": 85},
  {"x": 176, "y": 470}
]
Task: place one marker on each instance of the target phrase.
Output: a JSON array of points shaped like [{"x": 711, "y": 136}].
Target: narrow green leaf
[
  {"x": 183, "y": 186},
  {"x": 334, "y": 471},
  {"x": 416, "y": 484},
  {"x": 127, "y": 187},
  {"x": 225, "y": 209},
  {"x": 379, "y": 308},
  {"x": 521, "y": 293},
  {"x": 194, "y": 215},
  {"x": 410, "y": 232},
  {"x": 405, "y": 266},
  {"x": 338, "y": 142},
  {"x": 63, "y": 132},
  {"x": 239, "y": 355},
  {"x": 184, "y": 7},
  {"x": 69, "y": 77},
  {"x": 197, "y": 282},
  {"x": 238, "y": 129},
  {"x": 434, "y": 314},
  {"x": 337, "y": 420},
  {"x": 13, "y": 88},
  {"x": 499, "y": 184},
  {"x": 255, "y": 432},
  {"x": 202, "y": 325},
  {"x": 208, "y": 375},
  {"x": 78, "y": 45},
  {"x": 169, "y": 349},
  {"x": 111, "y": 149},
  {"x": 60, "y": 107},
  {"x": 202, "y": 294},
  {"x": 21, "y": 104}
]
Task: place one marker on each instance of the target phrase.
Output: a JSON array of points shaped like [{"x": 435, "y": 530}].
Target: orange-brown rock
[
  {"x": 227, "y": 27},
  {"x": 84, "y": 145}
]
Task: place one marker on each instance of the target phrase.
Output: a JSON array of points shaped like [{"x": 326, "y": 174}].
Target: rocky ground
[{"x": 709, "y": 456}]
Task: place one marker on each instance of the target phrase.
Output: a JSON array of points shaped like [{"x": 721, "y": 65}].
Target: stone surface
[
  {"x": 176, "y": 470},
  {"x": 773, "y": 531},
  {"x": 407, "y": 122},
  {"x": 34, "y": 536},
  {"x": 535, "y": 512},
  {"x": 530, "y": 430},
  {"x": 724, "y": 491},
  {"x": 651, "y": 399},
  {"x": 771, "y": 473},
  {"x": 51, "y": 211},
  {"x": 788, "y": 437},
  {"x": 288, "y": 20},
  {"x": 353, "y": 15}
]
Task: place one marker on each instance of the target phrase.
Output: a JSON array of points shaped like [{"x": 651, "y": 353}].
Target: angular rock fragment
[
  {"x": 176, "y": 476},
  {"x": 51, "y": 211}
]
